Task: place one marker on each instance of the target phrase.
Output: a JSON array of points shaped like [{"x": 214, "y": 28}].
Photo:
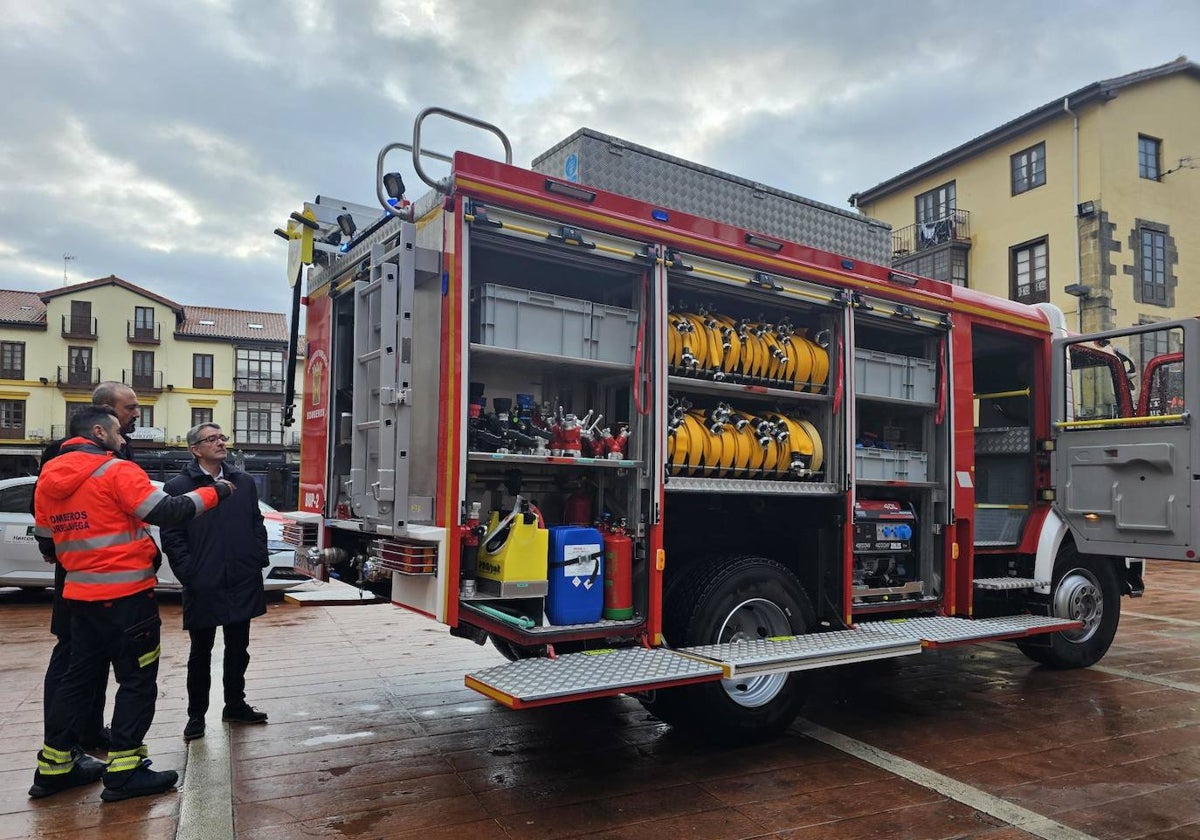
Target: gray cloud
[{"x": 163, "y": 143}]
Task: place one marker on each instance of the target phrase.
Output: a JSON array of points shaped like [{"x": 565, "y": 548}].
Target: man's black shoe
[
  {"x": 194, "y": 729},
  {"x": 98, "y": 742},
  {"x": 243, "y": 714},
  {"x": 140, "y": 782},
  {"x": 85, "y": 771}
]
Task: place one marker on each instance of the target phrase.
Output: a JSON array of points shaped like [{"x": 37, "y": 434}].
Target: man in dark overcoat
[{"x": 219, "y": 560}]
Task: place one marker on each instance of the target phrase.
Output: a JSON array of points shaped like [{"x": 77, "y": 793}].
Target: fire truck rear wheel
[
  {"x": 1086, "y": 589},
  {"x": 733, "y": 599}
]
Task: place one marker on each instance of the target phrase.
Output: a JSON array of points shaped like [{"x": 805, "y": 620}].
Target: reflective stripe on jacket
[{"x": 95, "y": 506}]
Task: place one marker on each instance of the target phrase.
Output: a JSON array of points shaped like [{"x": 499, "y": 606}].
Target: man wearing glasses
[{"x": 219, "y": 560}]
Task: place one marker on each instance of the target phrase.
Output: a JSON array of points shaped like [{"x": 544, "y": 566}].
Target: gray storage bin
[
  {"x": 614, "y": 333},
  {"x": 535, "y": 321},
  {"x": 891, "y": 464},
  {"x": 879, "y": 374}
]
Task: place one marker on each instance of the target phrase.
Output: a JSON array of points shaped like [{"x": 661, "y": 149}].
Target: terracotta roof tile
[
  {"x": 21, "y": 307},
  {"x": 213, "y": 322}
]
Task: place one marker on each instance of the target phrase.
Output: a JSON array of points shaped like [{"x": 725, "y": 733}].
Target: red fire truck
[{"x": 686, "y": 451}]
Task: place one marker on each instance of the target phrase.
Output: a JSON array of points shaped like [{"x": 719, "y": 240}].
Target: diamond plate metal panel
[
  {"x": 619, "y": 166},
  {"x": 1009, "y": 583},
  {"x": 795, "y": 653},
  {"x": 942, "y": 630},
  {"x": 529, "y": 680},
  {"x": 1009, "y": 440}
]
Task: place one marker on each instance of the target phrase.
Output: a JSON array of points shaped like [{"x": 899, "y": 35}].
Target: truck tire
[
  {"x": 731, "y": 599},
  {"x": 1084, "y": 588}
]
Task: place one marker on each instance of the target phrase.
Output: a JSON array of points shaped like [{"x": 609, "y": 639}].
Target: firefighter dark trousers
[
  {"x": 126, "y": 632},
  {"x": 91, "y": 721}
]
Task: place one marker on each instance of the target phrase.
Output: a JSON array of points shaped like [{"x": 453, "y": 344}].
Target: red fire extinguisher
[
  {"x": 577, "y": 508},
  {"x": 618, "y": 573}
]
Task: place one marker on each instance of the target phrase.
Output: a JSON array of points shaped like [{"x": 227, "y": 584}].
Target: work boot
[
  {"x": 243, "y": 714},
  {"x": 84, "y": 771},
  {"x": 194, "y": 729},
  {"x": 141, "y": 781}
]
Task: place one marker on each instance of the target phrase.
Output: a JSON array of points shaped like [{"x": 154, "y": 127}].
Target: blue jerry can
[{"x": 576, "y": 593}]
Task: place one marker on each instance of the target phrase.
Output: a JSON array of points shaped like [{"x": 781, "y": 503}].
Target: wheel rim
[
  {"x": 1080, "y": 598},
  {"x": 754, "y": 619}
]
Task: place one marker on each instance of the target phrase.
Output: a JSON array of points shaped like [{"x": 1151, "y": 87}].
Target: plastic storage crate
[
  {"x": 879, "y": 374},
  {"x": 614, "y": 333},
  {"x": 891, "y": 464},
  {"x": 535, "y": 321},
  {"x": 540, "y": 322}
]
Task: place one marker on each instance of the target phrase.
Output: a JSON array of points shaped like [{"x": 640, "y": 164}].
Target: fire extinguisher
[
  {"x": 577, "y": 508},
  {"x": 618, "y": 573}
]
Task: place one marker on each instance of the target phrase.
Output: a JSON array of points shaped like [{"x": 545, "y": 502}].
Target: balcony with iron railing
[
  {"x": 254, "y": 385},
  {"x": 137, "y": 333},
  {"x": 85, "y": 378},
  {"x": 79, "y": 328},
  {"x": 954, "y": 227},
  {"x": 151, "y": 380}
]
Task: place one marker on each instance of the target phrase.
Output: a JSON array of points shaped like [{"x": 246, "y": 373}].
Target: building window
[
  {"x": 260, "y": 371},
  {"x": 143, "y": 370},
  {"x": 143, "y": 324},
  {"x": 12, "y": 359},
  {"x": 202, "y": 371},
  {"x": 12, "y": 419},
  {"x": 79, "y": 366},
  {"x": 74, "y": 408},
  {"x": 1152, "y": 260},
  {"x": 258, "y": 422},
  {"x": 145, "y": 416},
  {"x": 936, "y": 204},
  {"x": 1149, "y": 157},
  {"x": 201, "y": 415},
  {"x": 1029, "y": 169},
  {"x": 81, "y": 319},
  {"x": 947, "y": 264},
  {"x": 1029, "y": 270}
]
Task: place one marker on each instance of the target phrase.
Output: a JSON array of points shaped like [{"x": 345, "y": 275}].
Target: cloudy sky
[{"x": 163, "y": 142}]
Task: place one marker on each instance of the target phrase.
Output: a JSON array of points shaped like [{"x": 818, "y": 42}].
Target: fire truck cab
[{"x": 650, "y": 451}]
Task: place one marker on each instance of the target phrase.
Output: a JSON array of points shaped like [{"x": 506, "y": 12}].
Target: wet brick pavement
[{"x": 373, "y": 735}]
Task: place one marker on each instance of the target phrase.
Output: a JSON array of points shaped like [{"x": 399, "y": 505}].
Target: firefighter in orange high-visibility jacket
[{"x": 95, "y": 506}]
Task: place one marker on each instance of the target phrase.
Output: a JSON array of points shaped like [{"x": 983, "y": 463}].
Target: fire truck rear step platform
[{"x": 527, "y": 683}]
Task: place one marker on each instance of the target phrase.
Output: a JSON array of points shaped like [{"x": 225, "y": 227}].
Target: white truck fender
[{"x": 1054, "y": 529}]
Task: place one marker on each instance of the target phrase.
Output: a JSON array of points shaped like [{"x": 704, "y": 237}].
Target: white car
[{"x": 21, "y": 562}]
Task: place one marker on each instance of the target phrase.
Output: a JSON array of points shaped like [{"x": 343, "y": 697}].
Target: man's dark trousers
[{"x": 237, "y": 660}]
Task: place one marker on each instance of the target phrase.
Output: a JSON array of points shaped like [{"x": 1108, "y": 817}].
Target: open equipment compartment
[
  {"x": 901, "y": 449},
  {"x": 554, "y": 433}
]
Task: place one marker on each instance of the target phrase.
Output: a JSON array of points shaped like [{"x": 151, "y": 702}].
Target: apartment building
[
  {"x": 188, "y": 364},
  {"x": 1088, "y": 202}
]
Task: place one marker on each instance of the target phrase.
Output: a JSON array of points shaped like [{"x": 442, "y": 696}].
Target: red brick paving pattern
[{"x": 372, "y": 734}]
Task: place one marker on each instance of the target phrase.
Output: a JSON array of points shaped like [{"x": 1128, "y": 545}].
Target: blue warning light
[{"x": 659, "y": 215}]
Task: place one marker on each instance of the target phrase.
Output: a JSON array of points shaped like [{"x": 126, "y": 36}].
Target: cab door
[{"x": 1124, "y": 474}]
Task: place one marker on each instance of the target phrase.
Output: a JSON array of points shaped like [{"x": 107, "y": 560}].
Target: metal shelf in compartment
[
  {"x": 510, "y": 458},
  {"x": 405, "y": 557}
]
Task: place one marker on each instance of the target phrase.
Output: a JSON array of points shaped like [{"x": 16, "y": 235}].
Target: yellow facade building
[
  {"x": 188, "y": 364},
  {"x": 1089, "y": 202}
]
